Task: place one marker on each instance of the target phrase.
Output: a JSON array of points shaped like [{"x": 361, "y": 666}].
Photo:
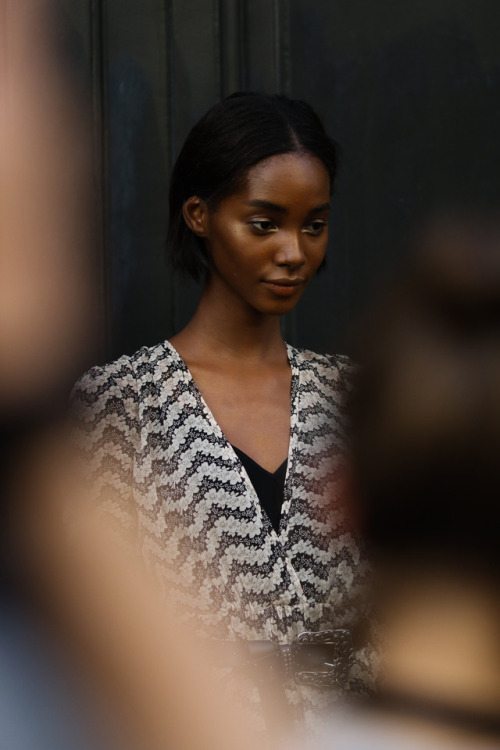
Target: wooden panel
[
  {"x": 231, "y": 31},
  {"x": 136, "y": 74},
  {"x": 78, "y": 32},
  {"x": 266, "y": 45}
]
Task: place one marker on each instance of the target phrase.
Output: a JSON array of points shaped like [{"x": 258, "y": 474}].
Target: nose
[{"x": 290, "y": 252}]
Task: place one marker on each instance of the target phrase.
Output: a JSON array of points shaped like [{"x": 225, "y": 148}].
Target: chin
[{"x": 278, "y": 308}]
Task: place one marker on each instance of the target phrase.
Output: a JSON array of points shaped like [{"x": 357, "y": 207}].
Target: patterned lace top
[{"x": 162, "y": 463}]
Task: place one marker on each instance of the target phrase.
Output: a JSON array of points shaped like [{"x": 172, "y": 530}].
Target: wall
[{"x": 411, "y": 91}]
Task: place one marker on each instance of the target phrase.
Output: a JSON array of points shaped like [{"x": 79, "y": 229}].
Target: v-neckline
[
  {"x": 256, "y": 463},
  {"x": 231, "y": 453}
]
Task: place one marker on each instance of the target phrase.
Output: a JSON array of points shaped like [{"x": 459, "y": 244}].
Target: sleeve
[
  {"x": 347, "y": 370},
  {"x": 347, "y": 374},
  {"x": 106, "y": 430},
  {"x": 365, "y": 671}
]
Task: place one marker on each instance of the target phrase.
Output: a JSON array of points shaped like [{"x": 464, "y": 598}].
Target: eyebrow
[{"x": 257, "y": 203}]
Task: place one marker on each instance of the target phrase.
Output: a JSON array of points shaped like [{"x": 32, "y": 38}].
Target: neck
[{"x": 225, "y": 328}]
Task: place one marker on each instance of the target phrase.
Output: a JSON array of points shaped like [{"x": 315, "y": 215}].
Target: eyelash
[
  {"x": 320, "y": 227},
  {"x": 256, "y": 226}
]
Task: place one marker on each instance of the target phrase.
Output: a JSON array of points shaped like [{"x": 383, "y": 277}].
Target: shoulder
[
  {"x": 337, "y": 367},
  {"x": 122, "y": 378}
]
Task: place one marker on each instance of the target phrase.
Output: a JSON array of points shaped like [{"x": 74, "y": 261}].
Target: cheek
[
  {"x": 229, "y": 240},
  {"x": 232, "y": 253}
]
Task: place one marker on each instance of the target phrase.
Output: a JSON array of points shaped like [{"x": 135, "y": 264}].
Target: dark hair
[{"x": 233, "y": 136}]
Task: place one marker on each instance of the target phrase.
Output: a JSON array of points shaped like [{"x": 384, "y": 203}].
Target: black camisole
[{"x": 269, "y": 487}]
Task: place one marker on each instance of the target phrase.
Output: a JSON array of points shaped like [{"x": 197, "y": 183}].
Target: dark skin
[{"x": 264, "y": 244}]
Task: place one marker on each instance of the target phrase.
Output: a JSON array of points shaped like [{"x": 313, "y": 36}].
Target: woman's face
[{"x": 266, "y": 241}]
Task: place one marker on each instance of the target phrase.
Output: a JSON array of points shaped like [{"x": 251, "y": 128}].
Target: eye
[
  {"x": 315, "y": 227},
  {"x": 263, "y": 226}
]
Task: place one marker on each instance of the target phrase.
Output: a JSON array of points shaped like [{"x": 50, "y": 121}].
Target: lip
[{"x": 284, "y": 287}]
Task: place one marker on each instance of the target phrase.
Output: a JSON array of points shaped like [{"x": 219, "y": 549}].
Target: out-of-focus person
[
  {"x": 45, "y": 322},
  {"x": 90, "y": 656},
  {"x": 426, "y": 478},
  {"x": 46, "y": 223}
]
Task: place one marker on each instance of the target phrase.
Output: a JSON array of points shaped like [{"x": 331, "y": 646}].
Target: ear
[{"x": 195, "y": 213}]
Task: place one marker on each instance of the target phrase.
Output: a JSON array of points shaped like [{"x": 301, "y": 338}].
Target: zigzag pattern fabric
[{"x": 162, "y": 464}]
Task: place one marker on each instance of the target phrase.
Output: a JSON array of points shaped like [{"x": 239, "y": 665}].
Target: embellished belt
[{"x": 320, "y": 659}]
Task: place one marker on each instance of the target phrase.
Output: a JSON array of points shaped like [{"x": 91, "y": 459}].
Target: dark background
[{"x": 410, "y": 89}]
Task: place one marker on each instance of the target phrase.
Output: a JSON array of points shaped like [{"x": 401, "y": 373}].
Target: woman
[{"x": 224, "y": 445}]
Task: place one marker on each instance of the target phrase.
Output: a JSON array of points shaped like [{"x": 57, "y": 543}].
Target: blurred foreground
[
  {"x": 426, "y": 483},
  {"x": 91, "y": 656},
  {"x": 82, "y": 623}
]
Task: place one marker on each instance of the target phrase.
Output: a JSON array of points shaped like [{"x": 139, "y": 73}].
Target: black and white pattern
[{"x": 163, "y": 464}]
